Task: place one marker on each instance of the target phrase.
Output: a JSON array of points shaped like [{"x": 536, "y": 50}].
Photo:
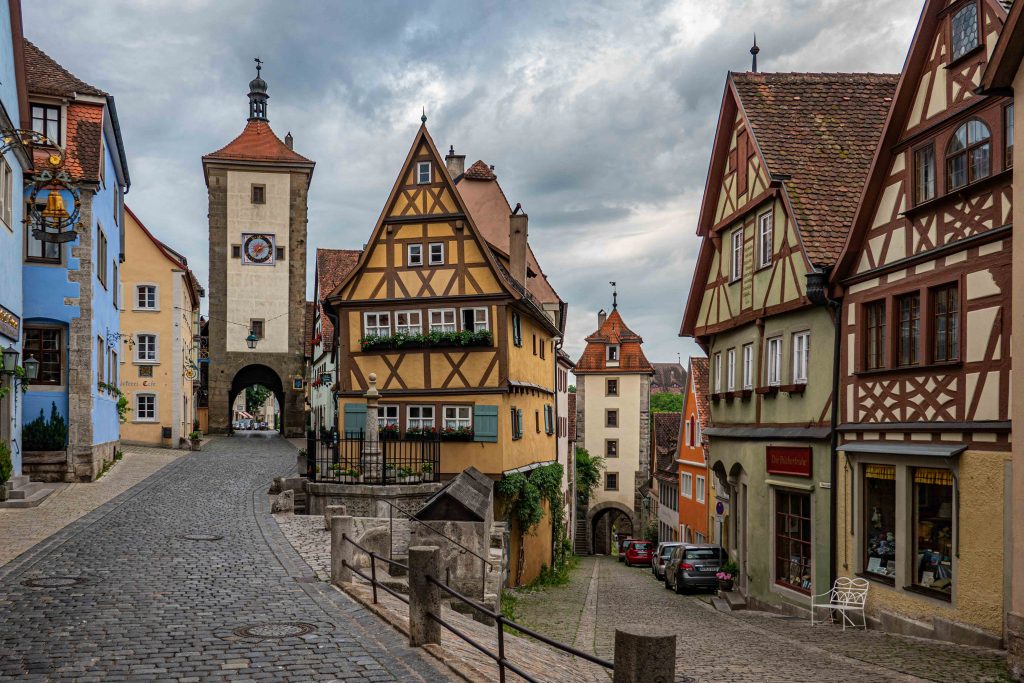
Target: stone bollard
[
  {"x": 285, "y": 502},
  {"x": 424, "y": 596},
  {"x": 333, "y": 511},
  {"x": 644, "y": 654},
  {"x": 341, "y": 551}
]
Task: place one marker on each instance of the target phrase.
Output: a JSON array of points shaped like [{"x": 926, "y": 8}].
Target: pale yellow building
[{"x": 160, "y": 319}]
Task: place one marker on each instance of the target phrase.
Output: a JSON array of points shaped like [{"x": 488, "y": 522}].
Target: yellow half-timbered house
[{"x": 448, "y": 307}]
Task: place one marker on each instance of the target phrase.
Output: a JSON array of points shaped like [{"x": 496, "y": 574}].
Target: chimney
[
  {"x": 517, "y": 235},
  {"x": 601, "y": 317},
  {"x": 456, "y": 163},
  {"x": 289, "y": 140}
]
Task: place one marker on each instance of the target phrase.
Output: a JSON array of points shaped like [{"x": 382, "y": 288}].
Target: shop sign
[
  {"x": 10, "y": 324},
  {"x": 794, "y": 461}
]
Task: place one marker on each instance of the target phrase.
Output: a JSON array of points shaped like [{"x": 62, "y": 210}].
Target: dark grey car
[
  {"x": 661, "y": 556},
  {"x": 694, "y": 566}
]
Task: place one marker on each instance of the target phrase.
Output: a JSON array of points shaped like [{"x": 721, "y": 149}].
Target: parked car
[
  {"x": 623, "y": 544},
  {"x": 661, "y": 555},
  {"x": 639, "y": 553},
  {"x": 694, "y": 566}
]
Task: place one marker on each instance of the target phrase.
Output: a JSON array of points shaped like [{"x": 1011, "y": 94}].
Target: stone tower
[{"x": 257, "y": 187}]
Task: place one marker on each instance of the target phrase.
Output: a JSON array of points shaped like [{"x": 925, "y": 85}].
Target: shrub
[
  {"x": 6, "y": 466},
  {"x": 45, "y": 435}
]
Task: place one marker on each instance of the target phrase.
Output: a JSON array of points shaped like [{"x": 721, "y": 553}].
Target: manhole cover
[
  {"x": 53, "y": 581},
  {"x": 200, "y": 537},
  {"x": 275, "y": 630}
]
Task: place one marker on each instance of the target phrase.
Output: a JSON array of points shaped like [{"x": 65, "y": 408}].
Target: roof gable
[
  {"x": 258, "y": 142},
  {"x": 44, "y": 76},
  {"x": 631, "y": 355},
  {"x": 332, "y": 266}
]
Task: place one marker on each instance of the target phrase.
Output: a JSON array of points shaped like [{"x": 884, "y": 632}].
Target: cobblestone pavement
[
  {"x": 744, "y": 645},
  {"x": 125, "y": 594},
  {"x": 20, "y": 529}
]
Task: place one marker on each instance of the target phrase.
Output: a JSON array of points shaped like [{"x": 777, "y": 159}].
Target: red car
[{"x": 639, "y": 553}]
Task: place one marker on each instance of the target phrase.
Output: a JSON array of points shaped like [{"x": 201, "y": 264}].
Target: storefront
[{"x": 901, "y": 509}]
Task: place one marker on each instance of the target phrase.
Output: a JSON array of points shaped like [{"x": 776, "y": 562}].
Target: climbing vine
[{"x": 525, "y": 497}]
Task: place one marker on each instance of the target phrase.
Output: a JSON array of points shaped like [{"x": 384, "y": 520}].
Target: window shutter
[
  {"x": 547, "y": 419},
  {"x": 355, "y": 419},
  {"x": 517, "y": 330},
  {"x": 485, "y": 423},
  {"x": 519, "y": 422}
]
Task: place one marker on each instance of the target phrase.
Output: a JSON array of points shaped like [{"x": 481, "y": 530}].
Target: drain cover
[
  {"x": 53, "y": 581},
  {"x": 200, "y": 537},
  {"x": 275, "y": 630}
]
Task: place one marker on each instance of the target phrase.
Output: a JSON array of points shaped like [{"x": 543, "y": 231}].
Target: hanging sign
[
  {"x": 10, "y": 324},
  {"x": 792, "y": 460}
]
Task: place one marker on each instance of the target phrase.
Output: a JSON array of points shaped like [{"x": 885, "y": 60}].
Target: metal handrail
[
  {"x": 501, "y": 622},
  {"x": 412, "y": 516},
  {"x": 372, "y": 578}
]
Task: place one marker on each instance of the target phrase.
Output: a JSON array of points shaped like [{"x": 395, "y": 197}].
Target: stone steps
[
  {"x": 581, "y": 546},
  {"x": 27, "y": 494}
]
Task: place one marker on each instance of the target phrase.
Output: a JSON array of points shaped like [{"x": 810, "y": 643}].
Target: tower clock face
[{"x": 258, "y": 249}]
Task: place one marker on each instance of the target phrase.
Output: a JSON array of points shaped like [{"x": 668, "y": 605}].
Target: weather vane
[
  {"x": 259, "y": 65},
  {"x": 615, "y": 296}
]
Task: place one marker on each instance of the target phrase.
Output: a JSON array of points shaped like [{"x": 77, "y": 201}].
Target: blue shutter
[
  {"x": 485, "y": 423},
  {"x": 355, "y": 419}
]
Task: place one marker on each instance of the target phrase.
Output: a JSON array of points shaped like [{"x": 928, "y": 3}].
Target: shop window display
[
  {"x": 880, "y": 520},
  {"x": 793, "y": 540},
  {"x": 933, "y": 529}
]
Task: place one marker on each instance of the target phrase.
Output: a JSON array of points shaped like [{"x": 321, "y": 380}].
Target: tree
[
  {"x": 588, "y": 472},
  {"x": 664, "y": 402},
  {"x": 572, "y": 388},
  {"x": 256, "y": 396}
]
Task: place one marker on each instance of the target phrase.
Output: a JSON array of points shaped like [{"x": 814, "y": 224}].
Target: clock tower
[{"x": 257, "y": 187}]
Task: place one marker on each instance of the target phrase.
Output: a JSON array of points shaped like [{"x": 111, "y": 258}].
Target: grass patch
[
  {"x": 509, "y": 608},
  {"x": 110, "y": 463},
  {"x": 558, "y": 575}
]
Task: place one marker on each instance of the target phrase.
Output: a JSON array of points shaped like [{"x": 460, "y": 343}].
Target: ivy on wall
[{"x": 525, "y": 496}]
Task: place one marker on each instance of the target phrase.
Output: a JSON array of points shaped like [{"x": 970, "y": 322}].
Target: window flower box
[
  {"x": 421, "y": 433},
  {"x": 457, "y": 434},
  {"x": 794, "y": 388},
  {"x": 769, "y": 390},
  {"x": 393, "y": 342},
  {"x": 388, "y": 432}
]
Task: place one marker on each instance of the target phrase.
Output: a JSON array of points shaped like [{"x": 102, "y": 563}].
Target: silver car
[
  {"x": 661, "y": 555},
  {"x": 694, "y": 566}
]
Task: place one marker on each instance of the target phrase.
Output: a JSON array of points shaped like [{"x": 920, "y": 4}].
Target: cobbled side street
[
  {"x": 186, "y": 577},
  {"x": 740, "y": 646}
]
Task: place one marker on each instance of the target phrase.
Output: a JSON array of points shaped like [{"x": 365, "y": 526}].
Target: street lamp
[
  {"x": 10, "y": 360},
  {"x": 31, "y": 368},
  {"x": 251, "y": 340}
]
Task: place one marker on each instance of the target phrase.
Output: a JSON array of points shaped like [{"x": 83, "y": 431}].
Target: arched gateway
[{"x": 257, "y": 187}]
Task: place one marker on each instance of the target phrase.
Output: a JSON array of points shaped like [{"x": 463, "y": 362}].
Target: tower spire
[
  {"x": 423, "y": 117},
  {"x": 258, "y": 95},
  {"x": 753, "y": 52},
  {"x": 615, "y": 296}
]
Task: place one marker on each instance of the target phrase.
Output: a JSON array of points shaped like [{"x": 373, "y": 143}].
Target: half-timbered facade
[
  {"x": 789, "y": 158},
  {"x": 925, "y": 372},
  {"x": 458, "y": 324}
]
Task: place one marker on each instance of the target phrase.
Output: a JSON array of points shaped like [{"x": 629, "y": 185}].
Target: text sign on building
[
  {"x": 10, "y": 324},
  {"x": 792, "y": 460}
]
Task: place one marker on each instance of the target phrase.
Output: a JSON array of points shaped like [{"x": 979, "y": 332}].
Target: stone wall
[
  {"x": 366, "y": 500},
  {"x": 80, "y": 352}
]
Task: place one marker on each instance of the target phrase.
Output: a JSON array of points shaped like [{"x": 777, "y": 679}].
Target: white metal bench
[{"x": 846, "y": 597}]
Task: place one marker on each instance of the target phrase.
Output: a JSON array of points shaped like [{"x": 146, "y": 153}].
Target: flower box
[
  {"x": 394, "y": 342},
  {"x": 460, "y": 434}
]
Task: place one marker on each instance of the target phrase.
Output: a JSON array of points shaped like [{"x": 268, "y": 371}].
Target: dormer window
[
  {"x": 964, "y": 30},
  {"x": 46, "y": 120},
  {"x": 612, "y": 355},
  {"x": 423, "y": 173},
  {"x": 969, "y": 155}
]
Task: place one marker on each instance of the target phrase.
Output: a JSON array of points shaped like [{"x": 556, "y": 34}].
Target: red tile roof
[
  {"x": 479, "y": 171},
  {"x": 44, "y": 76},
  {"x": 699, "y": 375},
  {"x": 822, "y": 130},
  {"x": 631, "y": 355},
  {"x": 572, "y": 419},
  {"x": 666, "y": 440},
  {"x": 669, "y": 377},
  {"x": 332, "y": 266},
  {"x": 309, "y": 327},
  {"x": 257, "y": 142}
]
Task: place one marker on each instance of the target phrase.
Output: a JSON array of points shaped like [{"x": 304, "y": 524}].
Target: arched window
[{"x": 969, "y": 155}]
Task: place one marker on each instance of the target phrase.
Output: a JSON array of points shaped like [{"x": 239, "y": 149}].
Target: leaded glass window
[{"x": 965, "y": 30}]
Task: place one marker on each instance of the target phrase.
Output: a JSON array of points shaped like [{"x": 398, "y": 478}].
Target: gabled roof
[
  {"x": 931, "y": 20},
  {"x": 176, "y": 260},
  {"x": 46, "y": 77},
  {"x": 1009, "y": 50},
  {"x": 699, "y": 378},
  {"x": 669, "y": 374},
  {"x": 258, "y": 142},
  {"x": 332, "y": 266},
  {"x": 614, "y": 331},
  {"x": 310, "y": 326},
  {"x": 666, "y": 439},
  {"x": 821, "y": 130}
]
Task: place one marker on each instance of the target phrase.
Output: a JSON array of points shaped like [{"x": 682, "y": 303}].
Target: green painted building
[{"x": 789, "y": 160}]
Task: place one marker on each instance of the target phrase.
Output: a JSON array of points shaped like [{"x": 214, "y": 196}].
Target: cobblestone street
[
  {"x": 185, "y": 577},
  {"x": 744, "y": 645}
]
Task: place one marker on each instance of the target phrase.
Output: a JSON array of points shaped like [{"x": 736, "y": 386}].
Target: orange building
[{"x": 694, "y": 476}]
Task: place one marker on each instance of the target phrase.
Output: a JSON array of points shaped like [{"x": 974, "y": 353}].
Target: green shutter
[
  {"x": 485, "y": 423},
  {"x": 517, "y": 329},
  {"x": 355, "y": 419},
  {"x": 519, "y": 423},
  {"x": 547, "y": 419}
]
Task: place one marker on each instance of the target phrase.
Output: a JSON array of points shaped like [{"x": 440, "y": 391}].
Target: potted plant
[
  {"x": 195, "y": 440},
  {"x": 427, "y": 470},
  {"x": 406, "y": 476},
  {"x": 457, "y": 434},
  {"x": 6, "y": 468},
  {"x": 388, "y": 432},
  {"x": 726, "y": 576}
]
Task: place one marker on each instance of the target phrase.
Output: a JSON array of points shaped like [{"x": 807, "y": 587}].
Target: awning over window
[
  {"x": 931, "y": 450},
  {"x": 529, "y": 468}
]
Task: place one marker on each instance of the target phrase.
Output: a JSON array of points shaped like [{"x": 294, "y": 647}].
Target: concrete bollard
[
  {"x": 341, "y": 551},
  {"x": 644, "y": 654},
  {"x": 333, "y": 511},
  {"x": 424, "y": 596}
]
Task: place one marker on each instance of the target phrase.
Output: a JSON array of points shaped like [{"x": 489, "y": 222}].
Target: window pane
[
  {"x": 933, "y": 529},
  {"x": 924, "y": 166},
  {"x": 793, "y": 540},
  {"x": 880, "y": 519},
  {"x": 956, "y": 170},
  {"x": 980, "y": 162},
  {"x": 965, "y": 30}
]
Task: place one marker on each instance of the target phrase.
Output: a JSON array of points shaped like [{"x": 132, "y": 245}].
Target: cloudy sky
[{"x": 598, "y": 116}]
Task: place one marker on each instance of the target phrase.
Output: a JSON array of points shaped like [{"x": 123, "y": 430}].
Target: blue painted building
[
  {"x": 71, "y": 307},
  {"x": 13, "y": 106}
]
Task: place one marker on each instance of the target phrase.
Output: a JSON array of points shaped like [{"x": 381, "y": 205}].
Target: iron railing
[
  {"x": 346, "y": 460},
  {"x": 499, "y": 619}
]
